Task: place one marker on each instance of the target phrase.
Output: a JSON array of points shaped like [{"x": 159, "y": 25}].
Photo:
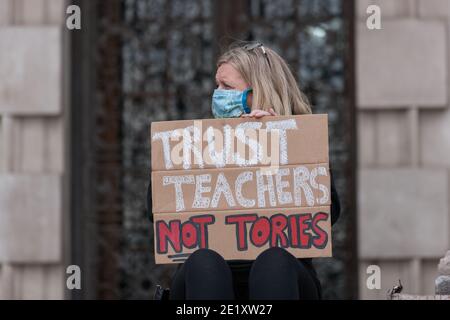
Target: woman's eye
[{"x": 224, "y": 86}]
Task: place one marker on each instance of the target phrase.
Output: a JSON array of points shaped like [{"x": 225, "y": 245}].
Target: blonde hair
[{"x": 269, "y": 76}]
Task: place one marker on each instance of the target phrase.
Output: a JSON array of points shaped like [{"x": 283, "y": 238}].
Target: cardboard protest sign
[
  {"x": 239, "y": 186},
  {"x": 305, "y": 232}
]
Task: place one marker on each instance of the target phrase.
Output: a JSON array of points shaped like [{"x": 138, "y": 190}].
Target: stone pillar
[
  {"x": 34, "y": 160},
  {"x": 403, "y": 114}
]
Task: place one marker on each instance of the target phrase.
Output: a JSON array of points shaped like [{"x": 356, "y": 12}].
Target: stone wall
[
  {"x": 33, "y": 161},
  {"x": 404, "y": 143}
]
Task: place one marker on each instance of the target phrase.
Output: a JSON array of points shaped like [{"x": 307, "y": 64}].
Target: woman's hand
[{"x": 259, "y": 113}]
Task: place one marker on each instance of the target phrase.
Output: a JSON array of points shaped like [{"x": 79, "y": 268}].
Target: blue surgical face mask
[{"x": 229, "y": 103}]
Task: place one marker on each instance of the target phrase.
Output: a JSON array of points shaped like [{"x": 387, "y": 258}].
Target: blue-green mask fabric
[{"x": 229, "y": 103}]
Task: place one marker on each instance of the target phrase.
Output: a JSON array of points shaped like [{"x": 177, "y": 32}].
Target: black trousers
[{"x": 274, "y": 275}]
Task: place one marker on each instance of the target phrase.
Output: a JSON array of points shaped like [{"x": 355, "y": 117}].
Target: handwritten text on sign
[{"x": 209, "y": 189}]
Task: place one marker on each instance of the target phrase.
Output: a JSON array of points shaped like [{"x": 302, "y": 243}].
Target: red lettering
[
  {"x": 279, "y": 223},
  {"x": 304, "y": 225},
  {"x": 296, "y": 231},
  {"x": 189, "y": 235},
  {"x": 168, "y": 233},
  {"x": 321, "y": 238},
  {"x": 293, "y": 230},
  {"x": 203, "y": 222},
  {"x": 241, "y": 228},
  {"x": 260, "y": 232}
]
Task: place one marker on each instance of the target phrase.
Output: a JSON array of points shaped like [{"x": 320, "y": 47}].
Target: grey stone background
[{"x": 404, "y": 143}]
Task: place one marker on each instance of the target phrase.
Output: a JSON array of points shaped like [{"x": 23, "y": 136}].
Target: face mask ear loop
[{"x": 244, "y": 100}]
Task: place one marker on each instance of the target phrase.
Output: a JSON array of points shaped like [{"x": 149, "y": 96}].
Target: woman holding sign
[{"x": 252, "y": 81}]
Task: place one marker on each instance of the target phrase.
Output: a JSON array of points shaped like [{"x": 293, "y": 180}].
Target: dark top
[{"x": 241, "y": 268}]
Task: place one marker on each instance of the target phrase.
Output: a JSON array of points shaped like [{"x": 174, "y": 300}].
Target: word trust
[{"x": 227, "y": 146}]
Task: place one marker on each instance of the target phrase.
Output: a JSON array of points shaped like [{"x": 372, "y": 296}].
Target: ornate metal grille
[{"x": 167, "y": 74}]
